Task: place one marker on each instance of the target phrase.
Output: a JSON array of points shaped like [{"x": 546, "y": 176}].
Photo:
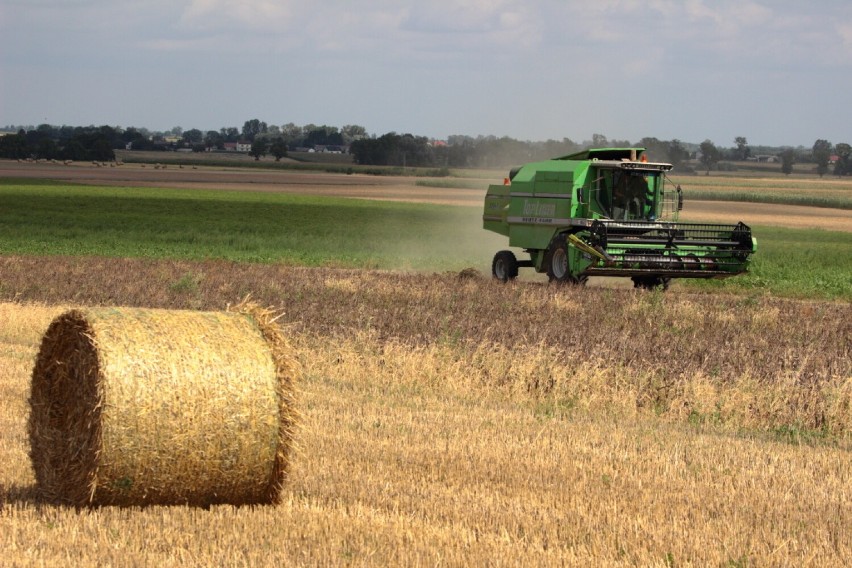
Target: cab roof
[{"x": 605, "y": 154}]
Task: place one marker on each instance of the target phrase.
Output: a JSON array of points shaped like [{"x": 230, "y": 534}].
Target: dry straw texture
[
  {"x": 420, "y": 458},
  {"x": 143, "y": 406}
]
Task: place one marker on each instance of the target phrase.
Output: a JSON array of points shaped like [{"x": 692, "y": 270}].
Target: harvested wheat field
[{"x": 425, "y": 442}]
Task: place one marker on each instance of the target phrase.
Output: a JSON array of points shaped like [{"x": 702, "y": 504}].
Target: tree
[
  {"x": 292, "y": 134},
  {"x": 138, "y": 140},
  {"x": 656, "y": 150},
  {"x": 843, "y": 165},
  {"x": 710, "y": 155},
  {"x": 229, "y": 133},
  {"x": 352, "y": 132},
  {"x": 129, "y": 135},
  {"x": 599, "y": 141},
  {"x": 413, "y": 151},
  {"x": 47, "y": 149},
  {"x": 101, "y": 149},
  {"x": 821, "y": 155},
  {"x": 672, "y": 151},
  {"x": 492, "y": 151},
  {"x": 193, "y": 136},
  {"x": 788, "y": 158},
  {"x": 259, "y": 148},
  {"x": 278, "y": 148},
  {"x": 74, "y": 150},
  {"x": 677, "y": 153},
  {"x": 323, "y": 135},
  {"x": 14, "y": 146},
  {"x": 743, "y": 151},
  {"x": 111, "y": 135},
  {"x": 252, "y": 128},
  {"x": 392, "y": 149},
  {"x": 214, "y": 139}
]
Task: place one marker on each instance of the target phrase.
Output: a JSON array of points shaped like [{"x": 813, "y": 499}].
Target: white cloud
[
  {"x": 844, "y": 30},
  {"x": 255, "y": 15},
  {"x": 388, "y": 27},
  {"x": 466, "y": 28},
  {"x": 698, "y": 11},
  {"x": 469, "y": 16}
]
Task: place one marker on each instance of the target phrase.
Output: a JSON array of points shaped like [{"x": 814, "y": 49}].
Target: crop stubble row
[{"x": 657, "y": 342}]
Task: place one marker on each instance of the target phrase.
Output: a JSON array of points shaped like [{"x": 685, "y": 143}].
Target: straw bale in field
[{"x": 141, "y": 406}]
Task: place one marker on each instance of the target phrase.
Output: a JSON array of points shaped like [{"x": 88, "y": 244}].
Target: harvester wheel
[
  {"x": 651, "y": 282},
  {"x": 556, "y": 260},
  {"x": 504, "y": 267}
]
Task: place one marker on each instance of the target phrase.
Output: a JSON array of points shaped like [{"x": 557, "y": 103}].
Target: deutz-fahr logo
[{"x": 539, "y": 209}]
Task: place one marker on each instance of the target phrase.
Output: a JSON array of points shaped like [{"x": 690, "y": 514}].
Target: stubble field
[{"x": 454, "y": 421}]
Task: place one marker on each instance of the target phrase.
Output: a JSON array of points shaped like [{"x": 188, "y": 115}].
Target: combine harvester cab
[{"x": 607, "y": 212}]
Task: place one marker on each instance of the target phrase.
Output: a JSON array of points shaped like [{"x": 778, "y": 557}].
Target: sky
[{"x": 778, "y": 72}]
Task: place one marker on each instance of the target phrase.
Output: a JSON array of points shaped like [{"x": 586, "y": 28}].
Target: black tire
[
  {"x": 651, "y": 282},
  {"x": 556, "y": 261},
  {"x": 504, "y": 267}
]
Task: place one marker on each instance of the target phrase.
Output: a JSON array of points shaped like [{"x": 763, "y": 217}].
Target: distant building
[
  {"x": 330, "y": 149},
  {"x": 765, "y": 158},
  {"x": 237, "y": 146}
]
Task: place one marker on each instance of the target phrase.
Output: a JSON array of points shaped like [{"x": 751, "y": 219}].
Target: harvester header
[{"x": 607, "y": 212}]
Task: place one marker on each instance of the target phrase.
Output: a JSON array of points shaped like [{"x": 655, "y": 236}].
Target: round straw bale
[{"x": 141, "y": 406}]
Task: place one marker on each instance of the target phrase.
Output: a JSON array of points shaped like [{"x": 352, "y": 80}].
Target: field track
[{"x": 390, "y": 188}]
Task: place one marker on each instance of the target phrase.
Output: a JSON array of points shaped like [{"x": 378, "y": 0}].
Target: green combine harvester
[{"x": 607, "y": 212}]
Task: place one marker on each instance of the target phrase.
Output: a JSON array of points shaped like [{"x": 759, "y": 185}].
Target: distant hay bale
[{"x": 141, "y": 406}]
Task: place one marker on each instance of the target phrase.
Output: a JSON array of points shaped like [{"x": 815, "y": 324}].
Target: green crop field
[
  {"x": 840, "y": 202},
  {"x": 832, "y": 192},
  {"x": 795, "y": 263},
  {"x": 46, "y": 218},
  {"x": 43, "y": 218}
]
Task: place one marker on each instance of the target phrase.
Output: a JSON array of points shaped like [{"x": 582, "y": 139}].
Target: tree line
[
  {"x": 99, "y": 142},
  {"x": 65, "y": 143},
  {"x": 823, "y": 155},
  {"x": 392, "y": 149}
]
